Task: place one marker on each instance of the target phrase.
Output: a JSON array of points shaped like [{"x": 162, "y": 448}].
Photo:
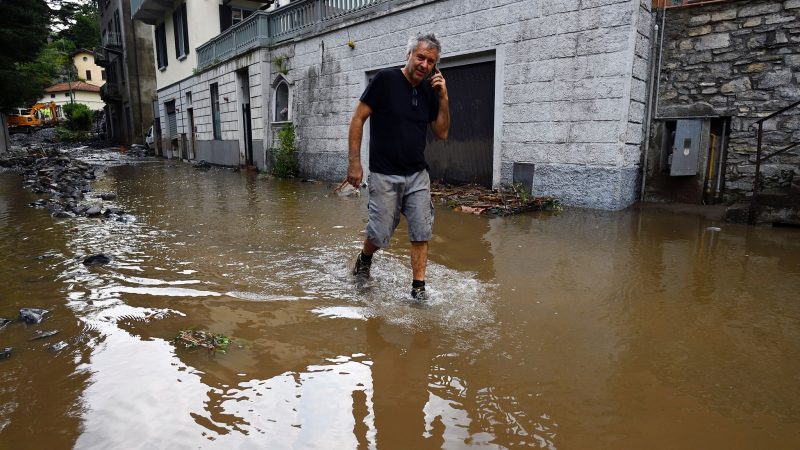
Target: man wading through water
[{"x": 401, "y": 103}]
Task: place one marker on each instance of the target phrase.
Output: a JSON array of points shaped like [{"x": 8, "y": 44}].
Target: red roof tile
[{"x": 76, "y": 86}]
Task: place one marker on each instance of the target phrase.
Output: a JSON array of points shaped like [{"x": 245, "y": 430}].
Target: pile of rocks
[{"x": 64, "y": 182}]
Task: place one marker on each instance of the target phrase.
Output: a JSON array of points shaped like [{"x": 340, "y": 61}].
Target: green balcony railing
[{"x": 263, "y": 29}]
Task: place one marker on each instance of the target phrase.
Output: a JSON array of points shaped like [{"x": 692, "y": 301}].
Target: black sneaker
[
  {"x": 418, "y": 294},
  {"x": 361, "y": 269}
]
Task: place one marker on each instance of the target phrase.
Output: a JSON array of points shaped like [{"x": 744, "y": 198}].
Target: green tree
[
  {"x": 84, "y": 31},
  {"x": 23, "y": 33},
  {"x": 79, "y": 117}
]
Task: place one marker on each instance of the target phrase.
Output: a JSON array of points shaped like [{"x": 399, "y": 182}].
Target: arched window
[{"x": 281, "y": 100}]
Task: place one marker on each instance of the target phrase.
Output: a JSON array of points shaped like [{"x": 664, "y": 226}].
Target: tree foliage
[
  {"x": 84, "y": 29},
  {"x": 28, "y": 63},
  {"x": 79, "y": 116},
  {"x": 23, "y": 33}
]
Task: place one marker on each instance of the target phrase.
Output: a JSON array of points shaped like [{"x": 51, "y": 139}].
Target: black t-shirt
[{"x": 399, "y": 122}]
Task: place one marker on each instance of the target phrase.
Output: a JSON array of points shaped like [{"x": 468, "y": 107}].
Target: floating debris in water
[
  {"x": 43, "y": 334},
  {"x": 4, "y": 322},
  {"x": 480, "y": 200},
  {"x": 6, "y": 352},
  {"x": 714, "y": 229},
  {"x": 57, "y": 347},
  {"x": 48, "y": 255},
  {"x": 213, "y": 342}
]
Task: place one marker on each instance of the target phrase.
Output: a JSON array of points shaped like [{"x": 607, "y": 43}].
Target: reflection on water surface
[{"x": 636, "y": 329}]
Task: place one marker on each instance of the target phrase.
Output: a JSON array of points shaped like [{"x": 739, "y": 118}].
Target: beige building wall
[{"x": 84, "y": 62}]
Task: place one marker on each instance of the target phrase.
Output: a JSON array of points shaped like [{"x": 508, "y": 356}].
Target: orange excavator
[{"x": 28, "y": 120}]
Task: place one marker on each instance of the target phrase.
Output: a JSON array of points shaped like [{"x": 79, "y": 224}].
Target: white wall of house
[
  {"x": 203, "y": 19},
  {"x": 90, "y": 99}
]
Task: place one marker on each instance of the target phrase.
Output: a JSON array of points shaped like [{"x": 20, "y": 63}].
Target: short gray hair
[{"x": 429, "y": 39}]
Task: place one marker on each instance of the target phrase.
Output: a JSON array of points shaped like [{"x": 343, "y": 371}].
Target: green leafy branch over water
[{"x": 213, "y": 342}]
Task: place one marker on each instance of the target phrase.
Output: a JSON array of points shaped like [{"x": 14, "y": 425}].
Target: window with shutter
[
  {"x": 161, "y": 46},
  {"x": 180, "y": 32}
]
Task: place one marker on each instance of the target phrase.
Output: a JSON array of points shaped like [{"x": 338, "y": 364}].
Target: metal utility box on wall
[
  {"x": 687, "y": 160},
  {"x": 686, "y": 148}
]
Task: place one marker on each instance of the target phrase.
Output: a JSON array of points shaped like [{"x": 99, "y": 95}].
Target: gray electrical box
[{"x": 686, "y": 148}]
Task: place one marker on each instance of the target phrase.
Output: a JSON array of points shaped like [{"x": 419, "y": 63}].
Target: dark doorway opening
[
  {"x": 466, "y": 156},
  {"x": 190, "y": 113},
  {"x": 247, "y": 128}
]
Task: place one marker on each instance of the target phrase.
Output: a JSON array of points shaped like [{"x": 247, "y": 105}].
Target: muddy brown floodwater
[{"x": 584, "y": 330}]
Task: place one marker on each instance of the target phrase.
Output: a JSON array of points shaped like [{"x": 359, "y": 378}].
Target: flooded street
[{"x": 638, "y": 329}]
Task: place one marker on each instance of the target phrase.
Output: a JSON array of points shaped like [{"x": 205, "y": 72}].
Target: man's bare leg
[
  {"x": 419, "y": 259},
  {"x": 369, "y": 248}
]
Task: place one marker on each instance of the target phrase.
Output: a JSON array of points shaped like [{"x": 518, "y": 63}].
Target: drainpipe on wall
[
  {"x": 655, "y": 81},
  {"x": 138, "y": 80}
]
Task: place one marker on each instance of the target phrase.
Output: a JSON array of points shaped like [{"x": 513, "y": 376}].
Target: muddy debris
[
  {"x": 480, "y": 200},
  {"x": 6, "y": 352},
  {"x": 213, "y": 342},
  {"x": 138, "y": 150},
  {"x": 201, "y": 165},
  {"x": 32, "y": 315},
  {"x": 4, "y": 322}
]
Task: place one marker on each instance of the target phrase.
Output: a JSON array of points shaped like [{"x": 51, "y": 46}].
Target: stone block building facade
[
  {"x": 726, "y": 64},
  {"x": 558, "y": 88}
]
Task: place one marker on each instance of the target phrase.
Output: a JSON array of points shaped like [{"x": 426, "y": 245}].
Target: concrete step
[{"x": 776, "y": 206}]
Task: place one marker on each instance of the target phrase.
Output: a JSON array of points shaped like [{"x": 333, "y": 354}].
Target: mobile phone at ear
[{"x": 432, "y": 72}]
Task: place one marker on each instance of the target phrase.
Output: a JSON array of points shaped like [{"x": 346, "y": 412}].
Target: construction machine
[{"x": 26, "y": 120}]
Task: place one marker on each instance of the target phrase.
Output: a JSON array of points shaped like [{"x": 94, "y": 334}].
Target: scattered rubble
[
  {"x": 32, "y": 315},
  {"x": 480, "y": 200},
  {"x": 201, "y": 165},
  {"x": 57, "y": 347}
]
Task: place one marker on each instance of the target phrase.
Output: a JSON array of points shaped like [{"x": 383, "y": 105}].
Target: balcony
[
  {"x": 112, "y": 39},
  {"x": 111, "y": 92},
  {"x": 150, "y": 12},
  {"x": 102, "y": 57},
  {"x": 264, "y": 29}
]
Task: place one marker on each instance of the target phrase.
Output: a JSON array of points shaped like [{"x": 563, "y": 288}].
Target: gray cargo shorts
[{"x": 392, "y": 195}]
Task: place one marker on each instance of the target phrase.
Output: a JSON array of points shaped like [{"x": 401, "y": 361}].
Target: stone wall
[
  {"x": 739, "y": 59},
  {"x": 571, "y": 87}
]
